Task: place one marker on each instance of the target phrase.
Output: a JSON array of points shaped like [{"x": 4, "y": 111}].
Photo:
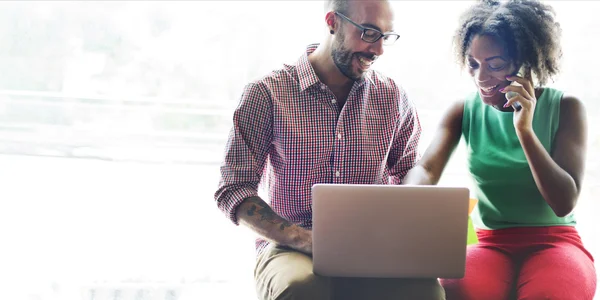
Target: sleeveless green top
[{"x": 504, "y": 184}]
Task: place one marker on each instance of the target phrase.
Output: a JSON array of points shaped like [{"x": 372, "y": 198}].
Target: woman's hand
[{"x": 525, "y": 96}]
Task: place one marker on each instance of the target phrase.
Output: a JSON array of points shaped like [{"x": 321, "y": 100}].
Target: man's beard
[{"x": 342, "y": 58}]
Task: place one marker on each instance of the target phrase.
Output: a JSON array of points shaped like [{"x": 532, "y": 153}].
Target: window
[{"x": 114, "y": 115}]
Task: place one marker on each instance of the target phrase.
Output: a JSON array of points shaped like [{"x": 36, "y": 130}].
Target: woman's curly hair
[{"x": 528, "y": 29}]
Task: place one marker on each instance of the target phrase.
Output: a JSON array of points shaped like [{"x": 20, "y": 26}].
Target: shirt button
[
  {"x": 333, "y": 101},
  {"x": 339, "y": 136},
  {"x": 323, "y": 86},
  {"x": 337, "y": 173}
]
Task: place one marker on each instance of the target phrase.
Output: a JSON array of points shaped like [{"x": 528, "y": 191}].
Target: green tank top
[{"x": 504, "y": 185}]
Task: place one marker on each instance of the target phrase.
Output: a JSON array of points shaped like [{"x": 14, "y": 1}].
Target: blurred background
[{"x": 114, "y": 116}]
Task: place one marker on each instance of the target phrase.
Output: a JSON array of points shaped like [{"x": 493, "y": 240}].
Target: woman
[{"x": 527, "y": 163}]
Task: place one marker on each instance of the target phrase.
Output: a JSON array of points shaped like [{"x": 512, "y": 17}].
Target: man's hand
[
  {"x": 303, "y": 241},
  {"x": 258, "y": 216}
]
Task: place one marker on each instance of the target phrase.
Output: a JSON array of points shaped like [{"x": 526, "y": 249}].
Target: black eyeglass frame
[{"x": 389, "y": 38}]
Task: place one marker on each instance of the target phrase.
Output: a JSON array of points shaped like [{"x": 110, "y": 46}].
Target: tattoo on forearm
[{"x": 260, "y": 208}]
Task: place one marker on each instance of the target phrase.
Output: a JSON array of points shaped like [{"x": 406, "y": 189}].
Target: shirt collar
[{"x": 307, "y": 76}]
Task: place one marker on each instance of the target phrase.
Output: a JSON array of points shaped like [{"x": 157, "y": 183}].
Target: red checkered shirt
[{"x": 289, "y": 127}]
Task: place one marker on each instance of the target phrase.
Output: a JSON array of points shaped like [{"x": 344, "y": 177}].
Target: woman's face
[{"x": 489, "y": 65}]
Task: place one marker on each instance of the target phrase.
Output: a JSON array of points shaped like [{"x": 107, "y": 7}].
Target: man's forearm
[{"x": 256, "y": 214}]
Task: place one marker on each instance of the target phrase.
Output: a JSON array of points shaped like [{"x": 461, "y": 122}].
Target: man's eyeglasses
[{"x": 371, "y": 35}]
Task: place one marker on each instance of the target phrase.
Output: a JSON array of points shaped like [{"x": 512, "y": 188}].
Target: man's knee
[
  {"x": 287, "y": 274},
  {"x": 308, "y": 286}
]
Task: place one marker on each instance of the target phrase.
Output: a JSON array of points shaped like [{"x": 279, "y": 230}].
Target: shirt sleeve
[
  {"x": 404, "y": 152},
  {"x": 246, "y": 150}
]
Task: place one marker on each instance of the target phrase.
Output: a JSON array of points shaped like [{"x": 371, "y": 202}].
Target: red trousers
[{"x": 526, "y": 263}]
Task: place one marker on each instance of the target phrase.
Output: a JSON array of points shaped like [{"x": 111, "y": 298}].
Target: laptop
[{"x": 389, "y": 231}]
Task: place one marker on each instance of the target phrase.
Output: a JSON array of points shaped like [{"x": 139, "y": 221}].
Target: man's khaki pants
[{"x": 282, "y": 273}]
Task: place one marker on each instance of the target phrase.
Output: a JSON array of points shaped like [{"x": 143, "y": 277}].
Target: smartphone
[{"x": 521, "y": 72}]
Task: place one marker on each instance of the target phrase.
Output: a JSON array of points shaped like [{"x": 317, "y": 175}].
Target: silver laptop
[{"x": 389, "y": 231}]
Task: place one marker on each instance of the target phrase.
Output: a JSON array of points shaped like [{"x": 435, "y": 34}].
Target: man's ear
[{"x": 330, "y": 19}]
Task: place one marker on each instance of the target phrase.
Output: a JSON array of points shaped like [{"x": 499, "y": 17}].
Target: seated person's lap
[
  {"x": 286, "y": 274},
  {"x": 544, "y": 274},
  {"x": 490, "y": 274}
]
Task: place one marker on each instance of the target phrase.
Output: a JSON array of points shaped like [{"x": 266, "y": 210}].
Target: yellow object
[
  {"x": 471, "y": 235},
  {"x": 472, "y": 203}
]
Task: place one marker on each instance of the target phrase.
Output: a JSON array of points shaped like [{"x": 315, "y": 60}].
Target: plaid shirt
[{"x": 289, "y": 125}]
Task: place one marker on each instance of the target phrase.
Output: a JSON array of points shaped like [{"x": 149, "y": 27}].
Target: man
[{"x": 326, "y": 119}]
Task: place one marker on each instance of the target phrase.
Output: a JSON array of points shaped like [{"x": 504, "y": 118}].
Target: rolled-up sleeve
[
  {"x": 246, "y": 150},
  {"x": 404, "y": 151}
]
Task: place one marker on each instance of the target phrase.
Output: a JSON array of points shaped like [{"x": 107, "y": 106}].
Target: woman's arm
[
  {"x": 429, "y": 169},
  {"x": 558, "y": 175}
]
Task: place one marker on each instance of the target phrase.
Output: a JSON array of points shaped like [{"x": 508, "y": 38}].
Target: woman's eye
[{"x": 497, "y": 68}]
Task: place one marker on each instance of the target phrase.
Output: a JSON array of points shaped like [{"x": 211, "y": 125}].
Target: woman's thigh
[
  {"x": 562, "y": 272},
  {"x": 490, "y": 274}
]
